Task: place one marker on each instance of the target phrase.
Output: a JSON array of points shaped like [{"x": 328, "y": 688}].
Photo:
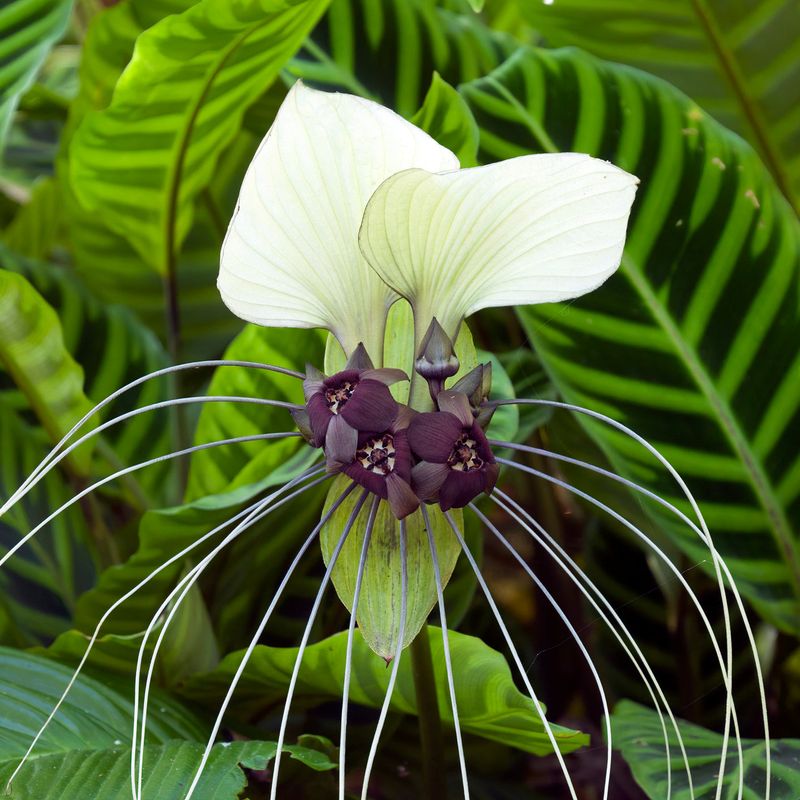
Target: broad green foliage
[
  {"x": 637, "y": 733},
  {"x": 33, "y": 353},
  {"x": 446, "y": 117},
  {"x": 28, "y": 29},
  {"x": 41, "y": 583},
  {"x": 198, "y": 71},
  {"x": 85, "y": 752},
  {"x": 388, "y": 51},
  {"x": 739, "y": 61},
  {"x": 489, "y": 704},
  {"x": 693, "y": 343},
  {"x": 218, "y": 470}
]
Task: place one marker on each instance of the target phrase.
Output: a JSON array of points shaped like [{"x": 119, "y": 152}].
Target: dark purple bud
[{"x": 436, "y": 360}]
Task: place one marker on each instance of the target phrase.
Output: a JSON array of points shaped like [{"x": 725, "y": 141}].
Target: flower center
[
  {"x": 337, "y": 397},
  {"x": 377, "y": 454},
  {"x": 464, "y": 457}
]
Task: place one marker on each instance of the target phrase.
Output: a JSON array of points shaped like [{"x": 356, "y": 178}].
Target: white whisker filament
[
  {"x": 514, "y": 654},
  {"x": 183, "y": 587},
  {"x": 348, "y": 661},
  {"x": 573, "y": 633},
  {"x": 307, "y": 633},
  {"x": 562, "y": 558},
  {"x": 141, "y": 465},
  {"x": 114, "y": 395},
  {"x": 451, "y": 684}
]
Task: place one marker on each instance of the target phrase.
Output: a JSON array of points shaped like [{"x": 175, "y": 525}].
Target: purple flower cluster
[{"x": 397, "y": 453}]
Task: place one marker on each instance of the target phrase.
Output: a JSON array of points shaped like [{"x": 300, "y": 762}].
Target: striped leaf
[
  {"x": 40, "y": 584},
  {"x": 637, "y": 732},
  {"x": 694, "y": 341},
  {"x": 85, "y": 753},
  {"x": 28, "y": 29},
  {"x": 33, "y": 354},
  {"x": 112, "y": 348},
  {"x": 739, "y": 61},
  {"x": 176, "y": 107},
  {"x": 388, "y": 51}
]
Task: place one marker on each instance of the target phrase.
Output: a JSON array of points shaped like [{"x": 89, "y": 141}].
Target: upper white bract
[
  {"x": 341, "y": 184},
  {"x": 291, "y": 256}
]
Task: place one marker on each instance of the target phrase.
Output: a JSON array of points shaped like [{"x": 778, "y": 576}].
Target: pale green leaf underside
[
  {"x": 489, "y": 704},
  {"x": 694, "y": 342}
]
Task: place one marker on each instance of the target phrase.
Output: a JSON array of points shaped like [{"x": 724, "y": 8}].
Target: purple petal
[
  {"x": 427, "y": 478},
  {"x": 369, "y": 480},
  {"x": 371, "y": 408},
  {"x": 319, "y": 417},
  {"x": 492, "y": 470},
  {"x": 402, "y": 455},
  {"x": 385, "y": 375},
  {"x": 461, "y": 488},
  {"x": 340, "y": 441},
  {"x": 311, "y": 387},
  {"x": 359, "y": 359},
  {"x": 401, "y": 497},
  {"x": 339, "y": 378},
  {"x": 457, "y": 404},
  {"x": 433, "y": 434}
]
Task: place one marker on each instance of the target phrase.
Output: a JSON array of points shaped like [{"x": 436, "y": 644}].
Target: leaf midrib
[
  {"x": 780, "y": 528},
  {"x": 749, "y": 108}
]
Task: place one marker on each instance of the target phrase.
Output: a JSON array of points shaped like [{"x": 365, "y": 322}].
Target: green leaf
[
  {"x": 489, "y": 704},
  {"x": 84, "y": 753},
  {"x": 221, "y": 469},
  {"x": 33, "y": 353},
  {"x": 379, "y": 605},
  {"x": 114, "y": 348},
  {"x": 388, "y": 51},
  {"x": 739, "y": 61},
  {"x": 42, "y": 581},
  {"x": 28, "y": 29},
  {"x": 448, "y": 119},
  {"x": 693, "y": 342},
  {"x": 168, "y": 769},
  {"x": 637, "y": 732},
  {"x": 177, "y": 106}
]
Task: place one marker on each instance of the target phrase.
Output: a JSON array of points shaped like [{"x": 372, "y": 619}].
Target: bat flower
[
  {"x": 357, "y": 399},
  {"x": 455, "y": 461},
  {"x": 382, "y": 464}
]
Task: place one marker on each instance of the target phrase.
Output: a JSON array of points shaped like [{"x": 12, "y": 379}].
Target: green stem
[{"x": 430, "y": 723}]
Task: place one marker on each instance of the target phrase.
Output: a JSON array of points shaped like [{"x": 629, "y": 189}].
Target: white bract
[{"x": 347, "y": 206}]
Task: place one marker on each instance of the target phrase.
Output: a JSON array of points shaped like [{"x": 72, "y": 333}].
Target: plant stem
[{"x": 430, "y": 723}]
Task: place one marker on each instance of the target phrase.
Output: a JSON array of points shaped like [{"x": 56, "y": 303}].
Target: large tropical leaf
[
  {"x": 33, "y": 354},
  {"x": 694, "y": 341},
  {"x": 178, "y": 104},
  {"x": 84, "y": 753},
  {"x": 739, "y": 61},
  {"x": 28, "y": 29},
  {"x": 388, "y": 51},
  {"x": 41, "y": 582},
  {"x": 489, "y": 704},
  {"x": 637, "y": 732}
]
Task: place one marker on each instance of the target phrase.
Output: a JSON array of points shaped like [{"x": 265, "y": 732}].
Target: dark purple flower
[
  {"x": 456, "y": 464},
  {"x": 382, "y": 464},
  {"x": 356, "y": 399}
]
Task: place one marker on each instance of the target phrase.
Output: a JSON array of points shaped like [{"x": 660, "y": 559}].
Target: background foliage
[{"x": 125, "y": 130}]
